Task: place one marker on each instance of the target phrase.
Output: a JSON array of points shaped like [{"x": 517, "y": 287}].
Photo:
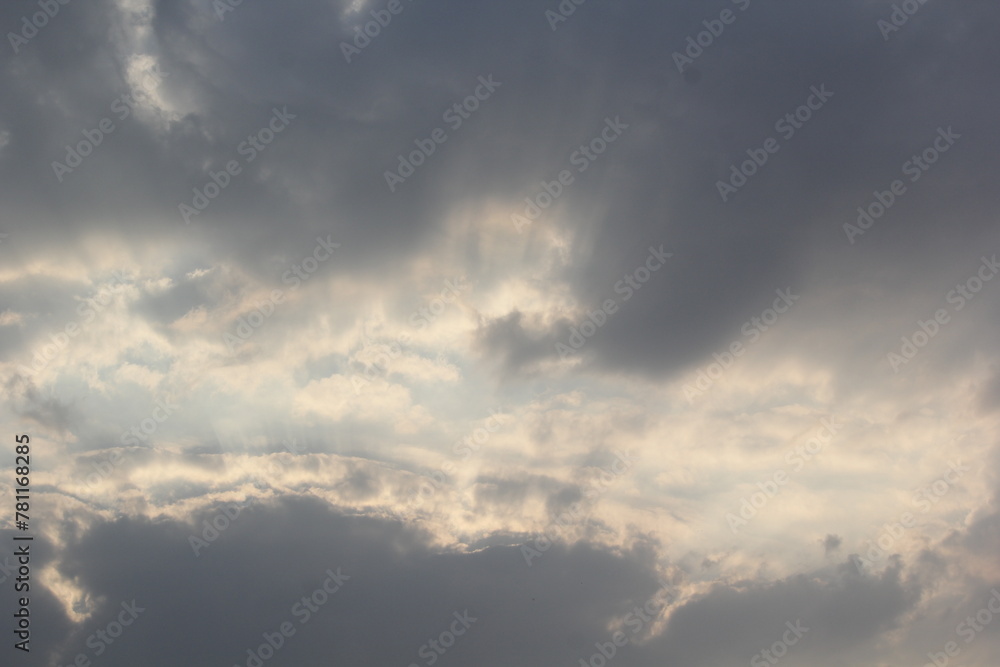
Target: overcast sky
[{"x": 413, "y": 332}]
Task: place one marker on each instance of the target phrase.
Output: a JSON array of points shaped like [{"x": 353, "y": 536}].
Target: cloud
[
  {"x": 400, "y": 590},
  {"x": 343, "y": 401}
]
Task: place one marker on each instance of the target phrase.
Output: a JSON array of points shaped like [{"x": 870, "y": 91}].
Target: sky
[{"x": 431, "y": 332}]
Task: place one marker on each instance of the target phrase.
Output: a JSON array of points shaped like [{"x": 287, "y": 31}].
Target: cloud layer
[{"x": 523, "y": 310}]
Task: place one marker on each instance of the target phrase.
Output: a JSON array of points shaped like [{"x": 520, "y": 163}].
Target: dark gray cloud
[
  {"x": 655, "y": 185},
  {"x": 402, "y": 591},
  {"x": 841, "y": 610}
]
